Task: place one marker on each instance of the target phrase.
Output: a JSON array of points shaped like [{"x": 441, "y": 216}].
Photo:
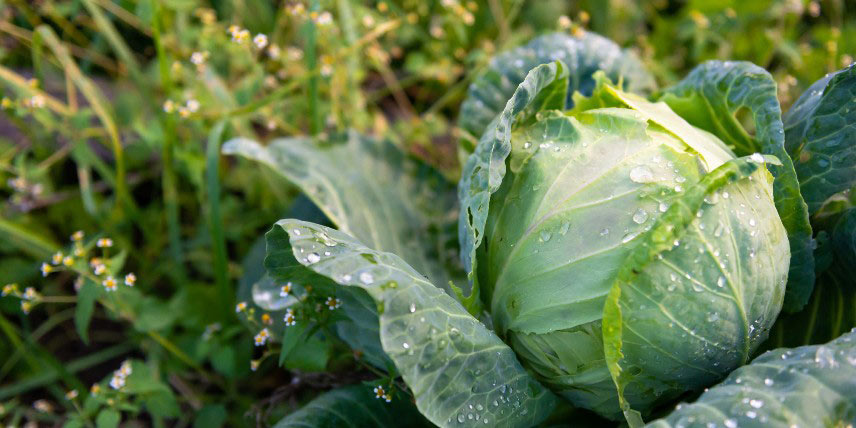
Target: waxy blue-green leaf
[
  {"x": 820, "y": 135},
  {"x": 699, "y": 293},
  {"x": 370, "y": 190},
  {"x": 809, "y": 386},
  {"x": 354, "y": 406},
  {"x": 709, "y": 98},
  {"x": 582, "y": 55},
  {"x": 545, "y": 87},
  {"x": 460, "y": 373},
  {"x": 832, "y": 308}
]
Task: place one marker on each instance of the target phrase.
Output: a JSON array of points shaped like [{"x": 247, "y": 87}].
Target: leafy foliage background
[{"x": 88, "y": 141}]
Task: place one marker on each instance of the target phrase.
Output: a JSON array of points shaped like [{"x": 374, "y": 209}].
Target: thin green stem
[
  {"x": 311, "y": 64},
  {"x": 218, "y": 237},
  {"x": 168, "y": 181}
]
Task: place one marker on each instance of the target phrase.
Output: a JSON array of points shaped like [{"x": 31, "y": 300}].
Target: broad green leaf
[
  {"x": 544, "y": 87},
  {"x": 449, "y": 359},
  {"x": 210, "y": 416},
  {"x": 86, "y": 296},
  {"x": 261, "y": 292},
  {"x": 710, "y": 97},
  {"x": 354, "y": 406},
  {"x": 654, "y": 345},
  {"x": 832, "y": 308},
  {"x": 801, "y": 387},
  {"x": 108, "y": 418},
  {"x": 370, "y": 190},
  {"x": 583, "y": 56},
  {"x": 820, "y": 135},
  {"x": 844, "y": 242}
]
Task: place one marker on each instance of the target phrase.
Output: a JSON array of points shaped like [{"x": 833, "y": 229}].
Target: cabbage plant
[{"x": 615, "y": 251}]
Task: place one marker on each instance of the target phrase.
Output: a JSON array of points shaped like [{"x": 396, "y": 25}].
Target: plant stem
[
  {"x": 168, "y": 182},
  {"x": 218, "y": 238}
]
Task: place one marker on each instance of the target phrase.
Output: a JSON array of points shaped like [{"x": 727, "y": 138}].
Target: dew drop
[
  {"x": 564, "y": 228},
  {"x": 720, "y": 282},
  {"x": 678, "y": 188},
  {"x": 313, "y": 258},
  {"x": 640, "y": 216},
  {"x": 545, "y": 236},
  {"x": 604, "y": 232},
  {"x": 412, "y": 308},
  {"x": 366, "y": 278},
  {"x": 768, "y": 382},
  {"x": 527, "y": 145},
  {"x": 752, "y": 222},
  {"x": 461, "y": 418},
  {"x": 663, "y": 207},
  {"x": 641, "y": 174}
]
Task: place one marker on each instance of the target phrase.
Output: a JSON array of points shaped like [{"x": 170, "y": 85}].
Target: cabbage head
[
  {"x": 622, "y": 243},
  {"x": 614, "y": 251}
]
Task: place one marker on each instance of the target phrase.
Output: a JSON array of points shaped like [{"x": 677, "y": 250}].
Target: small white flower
[
  {"x": 77, "y": 236},
  {"x": 333, "y": 303},
  {"x": 46, "y": 269},
  {"x": 37, "y": 101},
  {"x": 71, "y": 395},
  {"x": 241, "y": 307},
  {"x": 198, "y": 58},
  {"x": 324, "y": 18},
  {"x": 117, "y": 382},
  {"x": 125, "y": 369},
  {"x": 289, "y": 318},
  {"x": 109, "y": 283},
  {"x": 57, "y": 258},
  {"x": 30, "y": 293},
  {"x": 104, "y": 243},
  {"x": 285, "y": 290},
  {"x": 260, "y": 41},
  {"x": 168, "y": 106},
  {"x": 262, "y": 337},
  {"x": 192, "y": 105},
  {"x": 43, "y": 406},
  {"x": 130, "y": 279},
  {"x": 99, "y": 269},
  {"x": 254, "y": 365}
]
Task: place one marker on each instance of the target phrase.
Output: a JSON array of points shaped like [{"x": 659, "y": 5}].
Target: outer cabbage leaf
[
  {"x": 583, "y": 56},
  {"x": 801, "y": 387},
  {"x": 820, "y": 135},
  {"x": 354, "y": 406},
  {"x": 544, "y": 87},
  {"x": 460, "y": 372},
  {"x": 709, "y": 98},
  {"x": 262, "y": 293},
  {"x": 832, "y": 308},
  {"x": 669, "y": 320},
  {"x": 844, "y": 242},
  {"x": 371, "y": 190}
]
